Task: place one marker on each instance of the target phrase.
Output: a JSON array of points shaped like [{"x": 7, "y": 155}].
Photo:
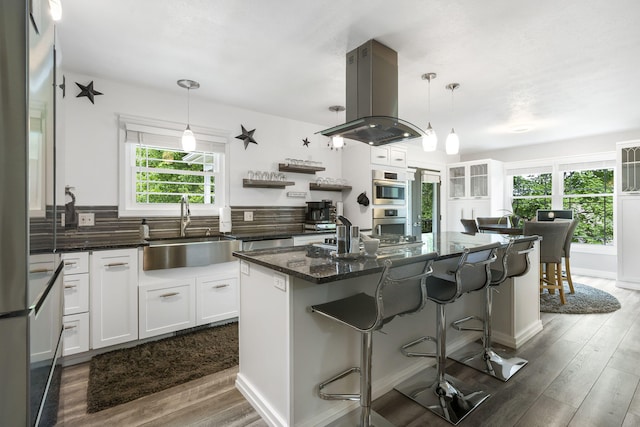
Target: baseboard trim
[
  {"x": 520, "y": 339},
  {"x": 259, "y": 403},
  {"x": 593, "y": 273}
]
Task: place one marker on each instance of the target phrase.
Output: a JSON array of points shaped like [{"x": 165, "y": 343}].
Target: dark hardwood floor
[{"x": 583, "y": 370}]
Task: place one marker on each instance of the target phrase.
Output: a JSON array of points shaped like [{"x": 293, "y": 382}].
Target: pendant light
[
  {"x": 430, "y": 139},
  {"x": 453, "y": 142},
  {"x": 188, "y": 138},
  {"x": 336, "y": 141}
]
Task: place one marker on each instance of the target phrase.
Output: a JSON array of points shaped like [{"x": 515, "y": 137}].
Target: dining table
[{"x": 500, "y": 228}]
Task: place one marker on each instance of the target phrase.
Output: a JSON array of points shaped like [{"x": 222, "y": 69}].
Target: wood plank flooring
[{"x": 583, "y": 370}]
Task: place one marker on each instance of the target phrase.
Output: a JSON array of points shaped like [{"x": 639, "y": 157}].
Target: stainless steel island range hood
[{"x": 372, "y": 98}]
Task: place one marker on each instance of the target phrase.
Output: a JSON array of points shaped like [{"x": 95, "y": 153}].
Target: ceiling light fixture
[
  {"x": 336, "y": 141},
  {"x": 453, "y": 142},
  {"x": 430, "y": 139},
  {"x": 188, "y": 138}
]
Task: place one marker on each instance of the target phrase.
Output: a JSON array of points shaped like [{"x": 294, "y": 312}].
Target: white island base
[{"x": 285, "y": 350}]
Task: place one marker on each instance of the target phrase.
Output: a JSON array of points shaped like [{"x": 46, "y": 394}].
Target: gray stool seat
[
  {"x": 513, "y": 261},
  {"x": 443, "y": 394},
  {"x": 401, "y": 289}
]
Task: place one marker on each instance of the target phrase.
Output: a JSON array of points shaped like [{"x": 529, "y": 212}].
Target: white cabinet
[
  {"x": 114, "y": 297},
  {"x": 628, "y": 160},
  {"x": 75, "y": 337},
  {"x": 475, "y": 189},
  {"x": 217, "y": 298},
  {"x": 628, "y": 206},
  {"x": 389, "y": 156},
  {"x": 167, "y": 307}
]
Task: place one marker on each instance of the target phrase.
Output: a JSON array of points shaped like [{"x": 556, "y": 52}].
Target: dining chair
[
  {"x": 470, "y": 226},
  {"x": 553, "y": 236},
  {"x": 566, "y": 254},
  {"x": 482, "y": 220}
]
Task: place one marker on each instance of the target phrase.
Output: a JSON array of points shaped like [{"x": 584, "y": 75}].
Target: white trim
[
  {"x": 209, "y": 136},
  {"x": 593, "y": 273},
  {"x": 259, "y": 403},
  {"x": 520, "y": 339},
  {"x": 593, "y": 249}
]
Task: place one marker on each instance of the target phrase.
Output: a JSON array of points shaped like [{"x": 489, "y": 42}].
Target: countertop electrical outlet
[
  {"x": 248, "y": 216},
  {"x": 86, "y": 219}
]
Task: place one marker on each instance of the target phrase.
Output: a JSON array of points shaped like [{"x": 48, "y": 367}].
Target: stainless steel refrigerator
[{"x": 30, "y": 269}]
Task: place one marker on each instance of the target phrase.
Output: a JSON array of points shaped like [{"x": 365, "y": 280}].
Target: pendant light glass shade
[
  {"x": 337, "y": 141},
  {"x": 452, "y": 146},
  {"x": 56, "y": 9},
  {"x": 430, "y": 139},
  {"x": 453, "y": 143},
  {"x": 188, "y": 138}
]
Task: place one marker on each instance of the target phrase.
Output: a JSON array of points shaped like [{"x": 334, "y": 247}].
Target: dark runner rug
[
  {"x": 124, "y": 375},
  {"x": 586, "y": 300}
]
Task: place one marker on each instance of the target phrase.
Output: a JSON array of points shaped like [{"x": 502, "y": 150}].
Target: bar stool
[
  {"x": 443, "y": 394},
  {"x": 553, "y": 236},
  {"x": 401, "y": 289},
  {"x": 513, "y": 261}
]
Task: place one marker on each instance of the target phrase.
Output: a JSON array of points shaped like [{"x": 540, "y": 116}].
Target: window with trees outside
[
  {"x": 584, "y": 187},
  {"x": 156, "y": 172}
]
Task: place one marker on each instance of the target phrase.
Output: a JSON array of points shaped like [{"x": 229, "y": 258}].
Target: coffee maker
[{"x": 320, "y": 215}]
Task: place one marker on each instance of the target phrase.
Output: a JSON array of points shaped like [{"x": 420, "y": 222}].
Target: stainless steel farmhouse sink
[{"x": 188, "y": 252}]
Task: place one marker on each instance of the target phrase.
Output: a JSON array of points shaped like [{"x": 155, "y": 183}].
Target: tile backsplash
[{"x": 111, "y": 228}]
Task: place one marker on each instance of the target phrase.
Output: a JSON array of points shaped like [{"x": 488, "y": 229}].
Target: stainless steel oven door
[
  {"x": 390, "y": 221},
  {"x": 389, "y": 192}
]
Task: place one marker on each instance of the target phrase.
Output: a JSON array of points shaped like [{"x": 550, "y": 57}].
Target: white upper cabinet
[
  {"x": 477, "y": 179},
  {"x": 628, "y": 160},
  {"x": 389, "y": 156}
]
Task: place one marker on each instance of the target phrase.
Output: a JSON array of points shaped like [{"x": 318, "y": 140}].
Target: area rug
[
  {"x": 124, "y": 375},
  {"x": 586, "y": 300}
]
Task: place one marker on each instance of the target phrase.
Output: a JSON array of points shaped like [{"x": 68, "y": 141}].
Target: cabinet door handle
[
  {"x": 381, "y": 157},
  {"x": 221, "y": 286},
  {"x": 70, "y": 263},
  {"x": 169, "y": 294},
  {"x": 66, "y": 327},
  {"x": 41, "y": 270},
  {"x": 117, "y": 264},
  {"x": 70, "y": 286}
]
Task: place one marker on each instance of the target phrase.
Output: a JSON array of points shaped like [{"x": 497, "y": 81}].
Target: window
[
  {"x": 584, "y": 185},
  {"x": 589, "y": 193},
  {"x": 530, "y": 193},
  {"x": 156, "y": 172}
]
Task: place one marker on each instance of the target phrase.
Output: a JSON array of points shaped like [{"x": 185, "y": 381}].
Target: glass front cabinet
[{"x": 629, "y": 167}]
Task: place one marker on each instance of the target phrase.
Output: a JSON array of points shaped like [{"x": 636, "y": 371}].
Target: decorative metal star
[
  {"x": 247, "y": 137},
  {"x": 306, "y": 142},
  {"x": 87, "y": 91}
]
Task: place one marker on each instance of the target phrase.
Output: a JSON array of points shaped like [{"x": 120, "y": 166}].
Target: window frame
[
  {"x": 557, "y": 167},
  {"x": 169, "y": 133}
]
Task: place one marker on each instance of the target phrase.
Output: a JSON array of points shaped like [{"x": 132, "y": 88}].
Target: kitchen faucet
[{"x": 184, "y": 208}]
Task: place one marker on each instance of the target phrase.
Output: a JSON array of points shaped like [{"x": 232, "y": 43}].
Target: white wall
[
  {"x": 569, "y": 147},
  {"x": 90, "y": 141}
]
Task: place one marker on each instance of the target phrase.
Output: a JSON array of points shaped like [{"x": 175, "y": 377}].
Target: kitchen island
[{"x": 285, "y": 350}]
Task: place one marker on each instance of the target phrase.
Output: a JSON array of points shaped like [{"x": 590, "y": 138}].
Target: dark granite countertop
[
  {"x": 93, "y": 245},
  {"x": 294, "y": 260},
  {"x": 267, "y": 235}
]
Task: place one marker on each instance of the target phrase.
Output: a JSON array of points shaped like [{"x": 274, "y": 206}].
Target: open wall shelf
[
  {"x": 283, "y": 167},
  {"x": 257, "y": 183}
]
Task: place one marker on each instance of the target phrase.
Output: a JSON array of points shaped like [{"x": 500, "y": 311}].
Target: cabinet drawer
[
  {"x": 397, "y": 158},
  {"x": 166, "y": 308},
  {"x": 75, "y": 263},
  {"x": 217, "y": 299},
  {"x": 380, "y": 155},
  {"x": 75, "y": 335},
  {"x": 76, "y": 293}
]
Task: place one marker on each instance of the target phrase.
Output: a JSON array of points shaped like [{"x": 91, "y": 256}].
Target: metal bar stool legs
[
  {"x": 514, "y": 263},
  {"x": 482, "y": 356},
  {"x": 441, "y": 393}
]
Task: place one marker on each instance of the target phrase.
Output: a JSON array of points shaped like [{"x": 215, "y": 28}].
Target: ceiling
[{"x": 563, "y": 69}]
